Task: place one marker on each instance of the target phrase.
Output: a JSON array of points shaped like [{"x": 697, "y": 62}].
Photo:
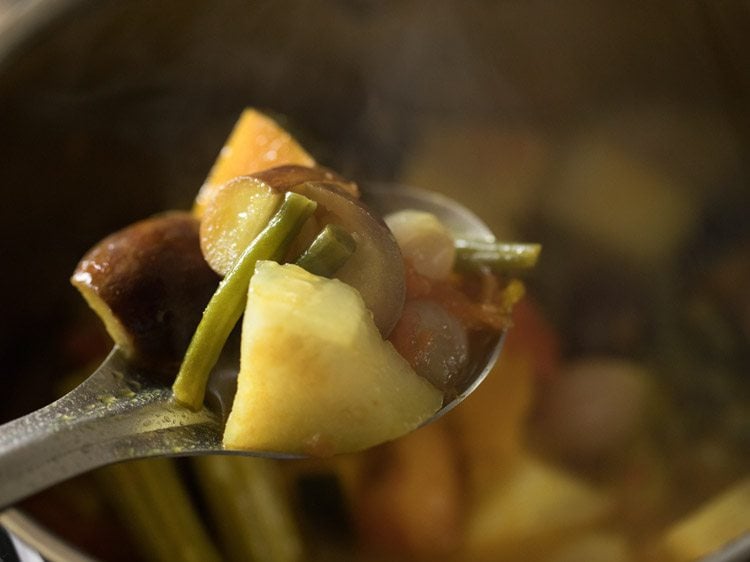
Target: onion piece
[
  {"x": 433, "y": 341},
  {"x": 425, "y": 242},
  {"x": 233, "y": 217}
]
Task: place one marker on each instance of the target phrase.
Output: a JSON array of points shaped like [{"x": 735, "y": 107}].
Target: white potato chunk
[
  {"x": 316, "y": 378},
  {"x": 717, "y": 523},
  {"x": 532, "y": 509}
]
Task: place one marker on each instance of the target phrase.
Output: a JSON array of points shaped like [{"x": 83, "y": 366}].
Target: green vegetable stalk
[
  {"x": 328, "y": 252},
  {"x": 500, "y": 257},
  {"x": 153, "y": 502},
  {"x": 246, "y": 496},
  {"x": 227, "y": 304}
]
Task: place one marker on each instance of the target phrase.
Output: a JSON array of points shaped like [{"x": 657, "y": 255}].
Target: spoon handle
[{"x": 113, "y": 415}]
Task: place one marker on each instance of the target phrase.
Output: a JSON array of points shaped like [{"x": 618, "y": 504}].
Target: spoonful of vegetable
[{"x": 354, "y": 331}]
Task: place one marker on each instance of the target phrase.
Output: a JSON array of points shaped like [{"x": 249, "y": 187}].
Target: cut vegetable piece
[
  {"x": 256, "y": 143},
  {"x": 500, "y": 257},
  {"x": 236, "y": 213},
  {"x": 316, "y": 378},
  {"x": 226, "y": 305},
  {"x": 411, "y": 505},
  {"x": 328, "y": 252},
  {"x": 425, "y": 242},
  {"x": 717, "y": 523},
  {"x": 148, "y": 283},
  {"x": 284, "y": 178},
  {"x": 532, "y": 510},
  {"x": 376, "y": 269},
  {"x": 503, "y": 402},
  {"x": 433, "y": 341}
]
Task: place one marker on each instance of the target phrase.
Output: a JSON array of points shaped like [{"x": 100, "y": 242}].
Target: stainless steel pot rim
[
  {"x": 22, "y": 19},
  {"x": 736, "y": 551},
  {"x": 33, "y": 534}
]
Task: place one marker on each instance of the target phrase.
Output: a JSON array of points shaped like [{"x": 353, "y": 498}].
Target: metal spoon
[{"x": 119, "y": 413}]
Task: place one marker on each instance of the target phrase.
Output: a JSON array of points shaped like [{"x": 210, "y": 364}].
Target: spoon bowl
[{"x": 120, "y": 412}]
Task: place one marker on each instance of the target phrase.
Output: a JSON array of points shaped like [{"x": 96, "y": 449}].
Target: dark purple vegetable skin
[
  {"x": 376, "y": 269},
  {"x": 284, "y": 178}
]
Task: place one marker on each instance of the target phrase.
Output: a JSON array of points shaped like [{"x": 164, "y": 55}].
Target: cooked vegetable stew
[{"x": 617, "y": 433}]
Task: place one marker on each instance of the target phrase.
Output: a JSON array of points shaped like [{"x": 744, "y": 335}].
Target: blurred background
[{"x": 617, "y": 425}]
